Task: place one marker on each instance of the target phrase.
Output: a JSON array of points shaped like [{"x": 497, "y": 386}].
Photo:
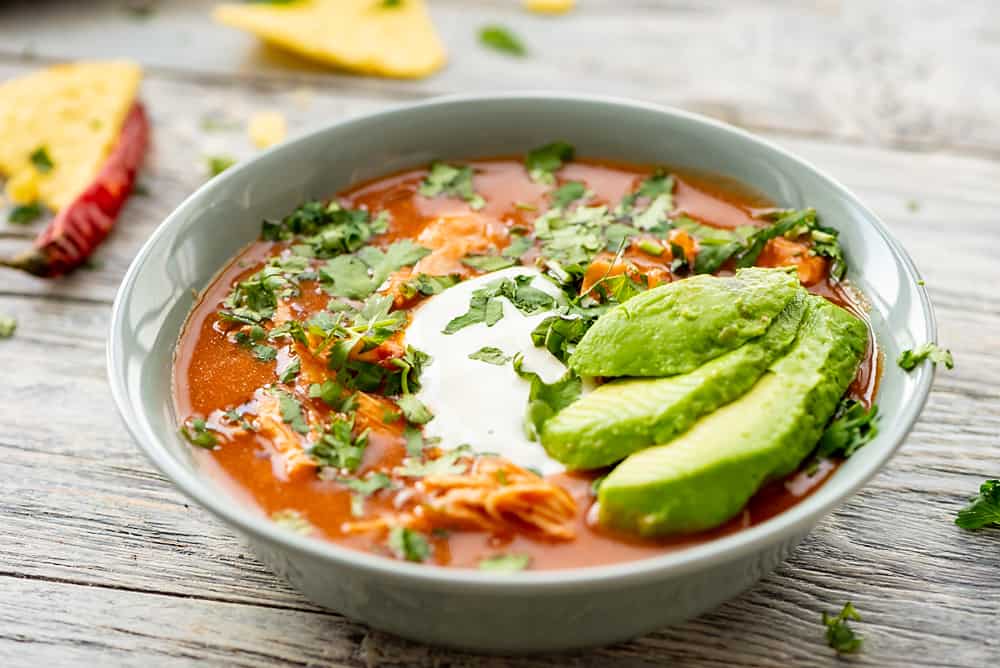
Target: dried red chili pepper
[{"x": 79, "y": 228}]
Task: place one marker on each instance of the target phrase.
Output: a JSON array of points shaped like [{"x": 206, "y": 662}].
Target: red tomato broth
[{"x": 209, "y": 374}]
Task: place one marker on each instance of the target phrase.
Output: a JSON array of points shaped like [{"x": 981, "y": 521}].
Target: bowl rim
[{"x": 788, "y": 525}]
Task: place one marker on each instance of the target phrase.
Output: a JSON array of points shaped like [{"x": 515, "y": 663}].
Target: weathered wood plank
[{"x": 886, "y": 73}]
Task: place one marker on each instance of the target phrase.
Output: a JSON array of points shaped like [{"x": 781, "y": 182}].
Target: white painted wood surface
[{"x": 102, "y": 562}]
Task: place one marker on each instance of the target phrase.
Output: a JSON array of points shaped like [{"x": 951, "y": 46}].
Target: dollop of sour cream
[{"x": 475, "y": 402}]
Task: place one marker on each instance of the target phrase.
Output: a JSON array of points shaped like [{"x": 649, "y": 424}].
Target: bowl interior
[{"x": 213, "y": 224}]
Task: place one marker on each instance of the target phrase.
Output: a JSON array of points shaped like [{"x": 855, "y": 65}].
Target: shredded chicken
[
  {"x": 782, "y": 252},
  {"x": 284, "y": 440}
]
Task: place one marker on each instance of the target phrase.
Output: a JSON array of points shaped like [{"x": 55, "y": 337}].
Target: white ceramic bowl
[{"x": 530, "y": 611}]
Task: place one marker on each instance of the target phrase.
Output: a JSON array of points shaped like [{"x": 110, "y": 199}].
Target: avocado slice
[
  {"x": 677, "y": 327},
  {"x": 707, "y": 475},
  {"x": 623, "y": 416}
]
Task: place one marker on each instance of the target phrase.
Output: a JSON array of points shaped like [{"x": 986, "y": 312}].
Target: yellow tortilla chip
[
  {"x": 267, "y": 128},
  {"x": 73, "y": 112},
  {"x": 549, "y": 6},
  {"x": 369, "y": 36}
]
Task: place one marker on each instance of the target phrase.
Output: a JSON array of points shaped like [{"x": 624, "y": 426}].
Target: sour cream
[{"x": 474, "y": 402}]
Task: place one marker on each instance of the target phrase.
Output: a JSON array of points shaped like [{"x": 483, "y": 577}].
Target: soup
[{"x": 389, "y": 370}]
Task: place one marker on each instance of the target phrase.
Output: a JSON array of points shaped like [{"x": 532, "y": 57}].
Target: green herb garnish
[
  {"x": 328, "y": 230},
  {"x": 358, "y": 276},
  {"x": 414, "y": 410},
  {"x": 291, "y": 411},
  {"x": 852, "y": 427},
  {"x": 568, "y": 193},
  {"x": 543, "y": 162},
  {"x": 338, "y": 447},
  {"x": 501, "y": 39},
  {"x": 219, "y": 163},
  {"x": 427, "y": 285},
  {"x": 41, "y": 159},
  {"x": 909, "y": 359},
  {"x": 289, "y": 373},
  {"x": 7, "y": 326},
  {"x": 546, "y": 399},
  {"x": 197, "y": 433},
  {"x": 485, "y": 306},
  {"x": 506, "y": 563},
  {"x": 25, "y": 214},
  {"x": 446, "y": 464},
  {"x": 264, "y": 353},
  {"x": 839, "y": 635},
  {"x": 559, "y": 334},
  {"x": 490, "y": 355},
  {"x": 363, "y": 488},
  {"x": 489, "y": 263},
  {"x": 408, "y": 544},
  {"x": 445, "y": 179},
  {"x": 984, "y": 510}
]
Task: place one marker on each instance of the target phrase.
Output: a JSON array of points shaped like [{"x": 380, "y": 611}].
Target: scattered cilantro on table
[
  {"x": 8, "y": 325},
  {"x": 909, "y": 359},
  {"x": 982, "y": 511},
  {"x": 839, "y": 635},
  {"x": 216, "y": 164},
  {"x": 41, "y": 159},
  {"x": 25, "y": 214},
  {"x": 502, "y": 39}
]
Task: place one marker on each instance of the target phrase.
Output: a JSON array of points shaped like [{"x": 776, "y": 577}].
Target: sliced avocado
[
  {"x": 707, "y": 475},
  {"x": 623, "y": 416},
  {"x": 677, "y": 327}
]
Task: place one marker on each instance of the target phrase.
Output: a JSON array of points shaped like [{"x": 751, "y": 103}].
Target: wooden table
[{"x": 103, "y": 562}]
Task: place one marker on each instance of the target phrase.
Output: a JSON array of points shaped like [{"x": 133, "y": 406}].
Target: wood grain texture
[{"x": 102, "y": 562}]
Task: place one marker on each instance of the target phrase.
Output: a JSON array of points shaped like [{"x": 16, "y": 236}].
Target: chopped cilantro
[
  {"x": 291, "y": 411},
  {"x": 446, "y": 464},
  {"x": 427, "y": 285},
  {"x": 330, "y": 392},
  {"x": 363, "y": 488},
  {"x": 485, "y": 306},
  {"x": 501, "y": 39},
  {"x": 414, "y": 410},
  {"x": 358, "y": 276},
  {"x": 327, "y": 230},
  {"x": 851, "y": 428},
  {"x": 652, "y": 187},
  {"x": 568, "y": 193},
  {"x": 543, "y": 162},
  {"x": 338, "y": 447},
  {"x": 197, "y": 433},
  {"x": 488, "y": 263},
  {"x": 445, "y": 179},
  {"x": 518, "y": 246},
  {"x": 839, "y": 635},
  {"x": 264, "y": 353},
  {"x": 546, "y": 399},
  {"x": 255, "y": 299},
  {"x": 559, "y": 334},
  {"x": 984, "y": 510},
  {"x": 7, "y": 326},
  {"x": 25, "y": 214},
  {"x": 41, "y": 159},
  {"x": 651, "y": 247},
  {"x": 414, "y": 441},
  {"x": 390, "y": 4},
  {"x": 293, "y": 520},
  {"x": 490, "y": 355},
  {"x": 909, "y": 359},
  {"x": 408, "y": 544},
  {"x": 219, "y": 163},
  {"x": 234, "y": 417},
  {"x": 505, "y": 563},
  {"x": 289, "y": 373}
]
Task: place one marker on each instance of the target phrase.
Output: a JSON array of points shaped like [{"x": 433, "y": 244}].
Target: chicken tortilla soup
[{"x": 532, "y": 362}]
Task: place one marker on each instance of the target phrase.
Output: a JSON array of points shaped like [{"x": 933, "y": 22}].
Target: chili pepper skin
[{"x": 80, "y": 228}]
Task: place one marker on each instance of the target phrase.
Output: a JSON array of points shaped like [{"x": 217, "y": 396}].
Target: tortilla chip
[
  {"x": 75, "y": 113},
  {"x": 360, "y": 35},
  {"x": 549, "y": 6}
]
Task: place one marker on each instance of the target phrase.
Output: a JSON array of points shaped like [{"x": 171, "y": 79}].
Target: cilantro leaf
[
  {"x": 358, "y": 276},
  {"x": 338, "y": 447},
  {"x": 488, "y": 263},
  {"x": 293, "y": 520},
  {"x": 505, "y": 563},
  {"x": 327, "y": 230},
  {"x": 255, "y": 299},
  {"x": 445, "y": 179},
  {"x": 390, "y": 4},
  {"x": 291, "y": 411},
  {"x": 839, "y": 635},
  {"x": 543, "y": 162},
  {"x": 851, "y": 428},
  {"x": 217, "y": 164},
  {"x": 518, "y": 246},
  {"x": 984, "y": 510},
  {"x": 490, "y": 355},
  {"x": 363, "y": 488},
  {"x": 567, "y": 193},
  {"x": 408, "y": 544},
  {"x": 289, "y": 373},
  {"x": 25, "y": 214},
  {"x": 7, "y": 327},
  {"x": 414, "y": 410},
  {"x": 41, "y": 159},
  {"x": 428, "y": 285},
  {"x": 546, "y": 399},
  {"x": 909, "y": 359},
  {"x": 559, "y": 334},
  {"x": 446, "y": 464},
  {"x": 197, "y": 433},
  {"x": 501, "y": 39},
  {"x": 414, "y": 441},
  {"x": 264, "y": 353},
  {"x": 485, "y": 306},
  {"x": 655, "y": 185}
]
